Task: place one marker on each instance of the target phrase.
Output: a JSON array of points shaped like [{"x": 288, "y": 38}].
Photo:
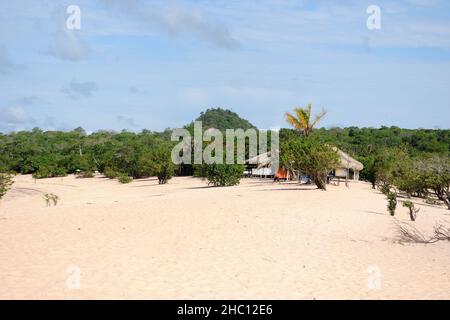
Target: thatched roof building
[{"x": 348, "y": 167}]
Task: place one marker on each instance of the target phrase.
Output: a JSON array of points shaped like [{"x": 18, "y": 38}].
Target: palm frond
[
  {"x": 318, "y": 117},
  {"x": 293, "y": 121}
]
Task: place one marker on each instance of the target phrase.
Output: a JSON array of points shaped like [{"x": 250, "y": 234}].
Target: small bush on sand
[
  {"x": 409, "y": 233},
  {"x": 5, "y": 183},
  {"x": 392, "y": 202},
  {"x": 123, "y": 178},
  {"x": 224, "y": 174},
  {"x": 49, "y": 172},
  {"x": 85, "y": 174},
  {"x": 110, "y": 173},
  {"x": 51, "y": 198},
  {"x": 160, "y": 162},
  {"x": 412, "y": 209}
]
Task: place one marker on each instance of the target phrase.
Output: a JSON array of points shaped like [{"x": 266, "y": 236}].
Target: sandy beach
[{"x": 185, "y": 240}]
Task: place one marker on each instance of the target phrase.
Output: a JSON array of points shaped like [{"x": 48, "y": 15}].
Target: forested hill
[{"x": 223, "y": 119}]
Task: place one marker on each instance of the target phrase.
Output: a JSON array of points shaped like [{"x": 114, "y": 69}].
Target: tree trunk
[
  {"x": 320, "y": 183},
  {"x": 447, "y": 202},
  {"x": 443, "y": 196}
]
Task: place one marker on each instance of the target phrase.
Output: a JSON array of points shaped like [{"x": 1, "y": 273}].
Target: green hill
[{"x": 223, "y": 119}]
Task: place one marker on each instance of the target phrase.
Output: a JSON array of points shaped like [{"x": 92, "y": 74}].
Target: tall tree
[{"x": 302, "y": 121}]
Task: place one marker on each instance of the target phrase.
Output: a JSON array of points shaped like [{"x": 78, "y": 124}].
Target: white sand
[{"x": 184, "y": 240}]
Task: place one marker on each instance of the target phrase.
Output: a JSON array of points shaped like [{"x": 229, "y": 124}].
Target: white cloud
[
  {"x": 177, "y": 21},
  {"x": 12, "y": 118},
  {"x": 80, "y": 89},
  {"x": 68, "y": 46}
]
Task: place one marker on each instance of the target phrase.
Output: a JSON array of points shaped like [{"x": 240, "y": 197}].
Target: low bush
[
  {"x": 110, "y": 173},
  {"x": 224, "y": 174},
  {"x": 123, "y": 178},
  {"x": 49, "y": 172},
  {"x": 85, "y": 174}
]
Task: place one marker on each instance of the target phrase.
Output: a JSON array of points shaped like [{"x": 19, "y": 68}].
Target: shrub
[
  {"x": 160, "y": 162},
  {"x": 110, "y": 173},
  {"x": 5, "y": 183},
  {"x": 224, "y": 174},
  {"x": 49, "y": 172},
  {"x": 51, "y": 198},
  {"x": 412, "y": 210},
  {"x": 437, "y": 177},
  {"x": 86, "y": 174},
  {"x": 385, "y": 189},
  {"x": 123, "y": 178},
  {"x": 392, "y": 202},
  {"x": 165, "y": 173}
]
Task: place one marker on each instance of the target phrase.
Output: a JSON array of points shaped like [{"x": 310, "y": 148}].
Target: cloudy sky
[{"x": 157, "y": 64}]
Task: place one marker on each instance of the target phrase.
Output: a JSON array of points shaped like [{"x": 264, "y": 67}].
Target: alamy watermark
[
  {"x": 374, "y": 278},
  {"x": 374, "y": 20},
  {"x": 73, "y": 281},
  {"x": 235, "y": 146},
  {"x": 73, "y": 21}
]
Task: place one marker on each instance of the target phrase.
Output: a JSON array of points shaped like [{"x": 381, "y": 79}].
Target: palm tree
[{"x": 301, "y": 121}]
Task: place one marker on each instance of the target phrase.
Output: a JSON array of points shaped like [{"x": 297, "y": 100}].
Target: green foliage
[
  {"x": 49, "y": 171},
  {"x": 160, "y": 162},
  {"x": 110, "y": 173},
  {"x": 57, "y": 153},
  {"x": 85, "y": 174},
  {"x": 410, "y": 179},
  {"x": 381, "y": 166},
  {"x": 392, "y": 202},
  {"x": 436, "y": 173},
  {"x": 302, "y": 119},
  {"x": 363, "y": 141},
  {"x": 5, "y": 183},
  {"x": 412, "y": 209},
  {"x": 386, "y": 189},
  {"x": 123, "y": 178},
  {"x": 223, "y": 174},
  {"x": 308, "y": 156},
  {"x": 222, "y": 119}
]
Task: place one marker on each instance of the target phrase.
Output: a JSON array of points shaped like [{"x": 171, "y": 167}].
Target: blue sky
[{"x": 157, "y": 64}]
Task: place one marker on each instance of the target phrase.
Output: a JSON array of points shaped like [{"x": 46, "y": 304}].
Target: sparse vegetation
[
  {"x": 412, "y": 209},
  {"x": 5, "y": 183},
  {"x": 50, "y": 199},
  {"x": 392, "y": 202},
  {"x": 408, "y": 233}
]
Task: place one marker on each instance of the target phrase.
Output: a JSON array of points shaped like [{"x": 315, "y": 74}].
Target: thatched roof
[
  {"x": 348, "y": 162},
  {"x": 262, "y": 160},
  {"x": 345, "y": 161}
]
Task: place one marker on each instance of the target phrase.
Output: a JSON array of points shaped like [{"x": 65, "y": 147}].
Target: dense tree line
[
  {"x": 57, "y": 153},
  {"x": 127, "y": 155}
]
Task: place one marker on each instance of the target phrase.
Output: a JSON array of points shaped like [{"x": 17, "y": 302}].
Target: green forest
[
  {"x": 126, "y": 155},
  {"x": 55, "y": 153}
]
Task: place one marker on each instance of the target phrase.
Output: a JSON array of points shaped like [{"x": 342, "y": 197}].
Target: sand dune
[{"x": 185, "y": 240}]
